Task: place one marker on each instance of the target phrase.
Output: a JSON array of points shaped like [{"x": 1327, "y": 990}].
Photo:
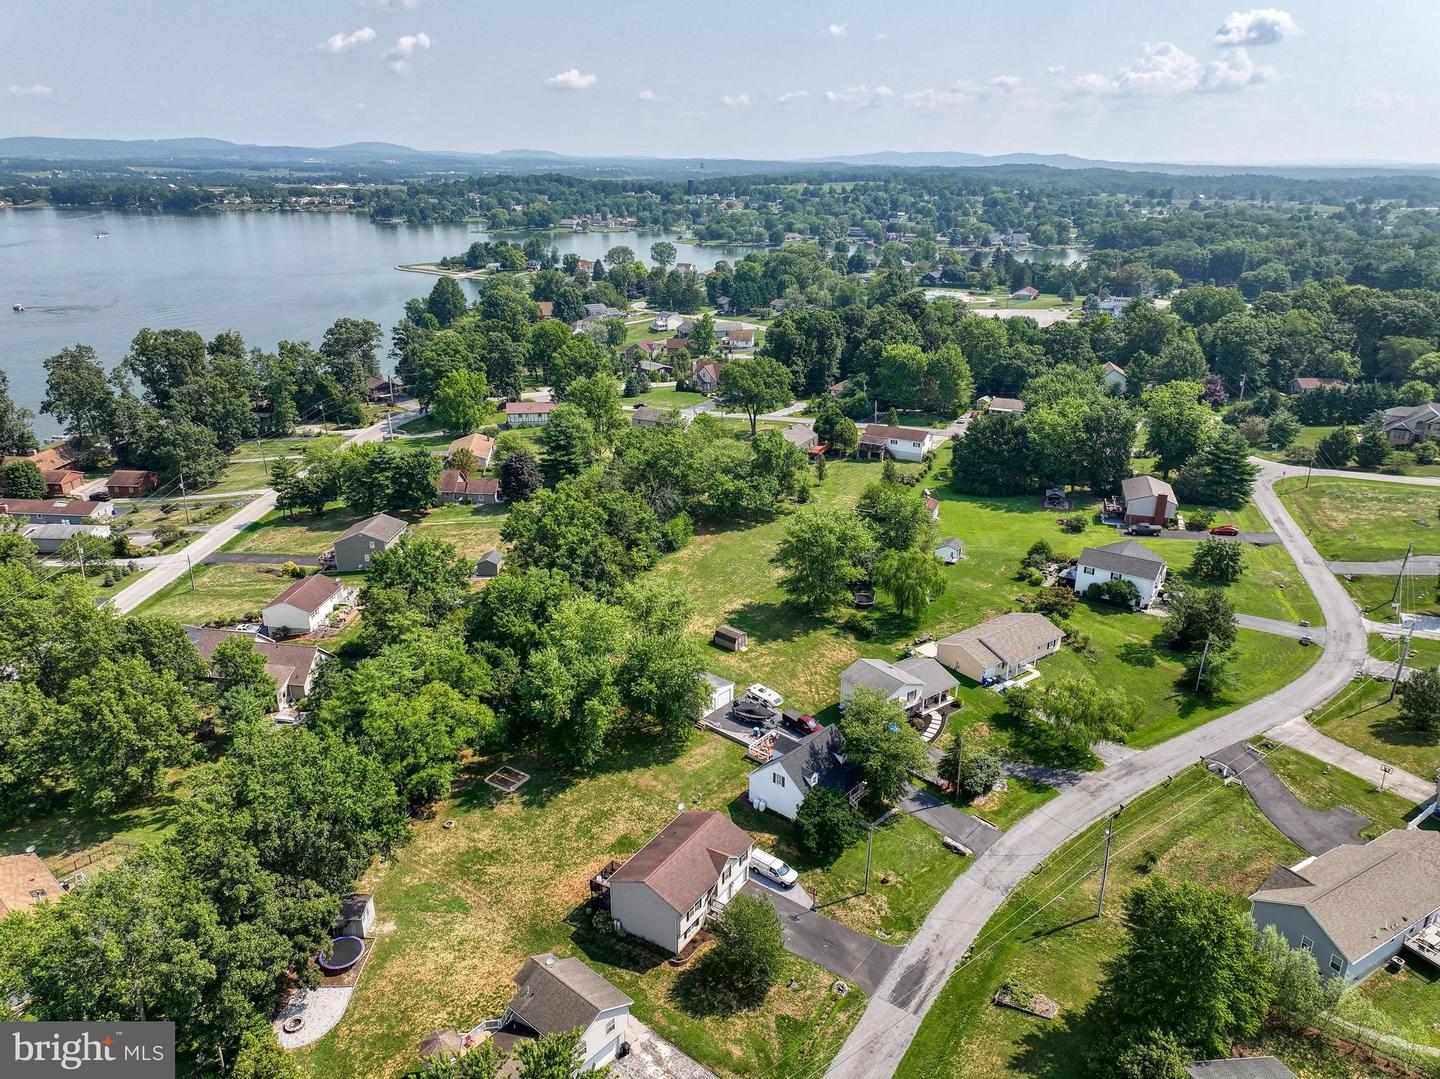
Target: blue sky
[{"x": 1191, "y": 81}]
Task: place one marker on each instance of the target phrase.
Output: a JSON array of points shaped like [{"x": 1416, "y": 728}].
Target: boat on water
[
  {"x": 101, "y": 235},
  {"x": 19, "y": 307}
]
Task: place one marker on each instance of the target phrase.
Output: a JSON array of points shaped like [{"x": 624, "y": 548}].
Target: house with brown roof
[
  {"x": 1005, "y": 404},
  {"x": 547, "y": 309},
  {"x": 687, "y": 873},
  {"x": 1305, "y": 384},
  {"x": 292, "y": 666},
  {"x": 557, "y": 996},
  {"x": 737, "y": 340},
  {"x": 305, "y": 606},
  {"x": 55, "y": 511},
  {"x": 1355, "y": 906},
  {"x": 901, "y": 443},
  {"x": 59, "y": 481},
  {"x": 25, "y": 881},
  {"x": 476, "y": 490},
  {"x": 528, "y": 413},
  {"x": 353, "y": 548},
  {"x": 481, "y": 447},
  {"x": 1000, "y": 648},
  {"x": 706, "y": 378},
  {"x": 131, "y": 483}
]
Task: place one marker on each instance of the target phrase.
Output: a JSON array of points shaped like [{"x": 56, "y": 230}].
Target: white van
[{"x": 772, "y": 868}]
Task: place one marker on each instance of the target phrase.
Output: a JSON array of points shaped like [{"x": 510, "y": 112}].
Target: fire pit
[{"x": 345, "y": 952}]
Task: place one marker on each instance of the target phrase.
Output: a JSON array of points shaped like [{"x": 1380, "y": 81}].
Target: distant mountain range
[{"x": 205, "y": 153}]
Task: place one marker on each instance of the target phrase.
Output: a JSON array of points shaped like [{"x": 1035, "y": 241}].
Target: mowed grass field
[
  {"x": 1047, "y": 937},
  {"x": 459, "y": 910},
  {"x": 1417, "y": 594},
  {"x": 1364, "y": 520},
  {"x": 729, "y": 576},
  {"x": 472, "y": 529},
  {"x": 223, "y": 591}
]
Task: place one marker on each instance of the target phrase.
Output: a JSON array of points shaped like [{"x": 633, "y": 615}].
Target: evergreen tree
[{"x": 1220, "y": 474}]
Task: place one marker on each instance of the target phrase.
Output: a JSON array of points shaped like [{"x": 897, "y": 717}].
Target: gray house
[
  {"x": 357, "y": 544},
  {"x": 672, "y": 884},
  {"x": 557, "y": 996},
  {"x": 802, "y": 435},
  {"x": 918, "y": 683},
  {"x": 1355, "y": 906}
]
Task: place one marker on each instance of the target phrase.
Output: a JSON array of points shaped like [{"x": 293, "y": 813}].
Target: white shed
[
  {"x": 950, "y": 550},
  {"x": 722, "y": 693}
]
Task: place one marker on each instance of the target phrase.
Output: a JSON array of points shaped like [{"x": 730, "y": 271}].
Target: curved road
[{"x": 894, "y": 1012}]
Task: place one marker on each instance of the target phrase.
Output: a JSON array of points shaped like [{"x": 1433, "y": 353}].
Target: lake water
[{"x": 270, "y": 276}]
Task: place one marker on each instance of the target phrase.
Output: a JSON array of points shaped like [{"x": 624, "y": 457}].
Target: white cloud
[
  {"x": 1055, "y": 69},
  {"x": 861, "y": 97},
  {"x": 737, "y": 101},
  {"x": 335, "y": 44},
  {"x": 33, "y": 90},
  {"x": 399, "y": 58},
  {"x": 571, "y": 79},
  {"x": 1260, "y": 26},
  {"x": 647, "y": 95},
  {"x": 1164, "y": 69},
  {"x": 399, "y": 5},
  {"x": 963, "y": 92},
  {"x": 837, "y": 29},
  {"x": 793, "y": 97},
  {"x": 1006, "y": 84}
]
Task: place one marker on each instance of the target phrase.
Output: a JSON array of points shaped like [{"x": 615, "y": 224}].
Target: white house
[
  {"x": 901, "y": 443},
  {"x": 1126, "y": 560},
  {"x": 1005, "y": 404},
  {"x": 666, "y": 322},
  {"x": 819, "y": 761},
  {"x": 722, "y": 692},
  {"x": 528, "y": 413},
  {"x": 557, "y": 996},
  {"x": 1114, "y": 376},
  {"x": 304, "y": 606},
  {"x": 1148, "y": 500},
  {"x": 672, "y": 884},
  {"x": 950, "y": 550},
  {"x": 918, "y": 683}
]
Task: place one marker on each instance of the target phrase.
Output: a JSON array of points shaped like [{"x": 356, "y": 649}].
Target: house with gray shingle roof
[
  {"x": 782, "y": 783},
  {"x": 1126, "y": 560},
  {"x": 1355, "y": 906},
  {"x": 918, "y": 683},
  {"x": 1000, "y": 648},
  {"x": 557, "y": 996},
  {"x": 355, "y": 546}
]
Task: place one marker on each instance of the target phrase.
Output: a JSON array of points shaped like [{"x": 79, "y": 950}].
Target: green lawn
[
  {"x": 1046, "y": 936},
  {"x": 665, "y": 397},
  {"x": 1270, "y": 587},
  {"x": 240, "y": 476},
  {"x": 1320, "y": 786},
  {"x": 305, "y": 534},
  {"x": 1417, "y": 595},
  {"x": 459, "y": 909},
  {"x": 143, "y": 516},
  {"x": 260, "y": 449},
  {"x": 1364, "y": 521},
  {"x": 472, "y": 529},
  {"x": 1309, "y": 438},
  {"x": 223, "y": 591},
  {"x": 1362, "y": 717},
  {"x": 729, "y": 576}
]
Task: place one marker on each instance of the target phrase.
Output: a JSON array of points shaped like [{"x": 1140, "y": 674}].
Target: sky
[{"x": 1158, "y": 80}]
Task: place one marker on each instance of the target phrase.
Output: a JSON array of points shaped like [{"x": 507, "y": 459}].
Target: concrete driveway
[
  {"x": 1313, "y": 830},
  {"x": 795, "y": 894},
  {"x": 843, "y": 952},
  {"x": 1259, "y": 539}
]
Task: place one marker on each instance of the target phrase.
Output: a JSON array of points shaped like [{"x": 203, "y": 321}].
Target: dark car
[
  {"x": 1224, "y": 530},
  {"x": 1145, "y": 530},
  {"x": 100, "y": 496},
  {"x": 798, "y": 722}
]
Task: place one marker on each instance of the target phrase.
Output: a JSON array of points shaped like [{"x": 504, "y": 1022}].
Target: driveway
[
  {"x": 248, "y": 558},
  {"x": 843, "y": 952},
  {"x": 1427, "y": 564},
  {"x": 796, "y": 893},
  {"x": 934, "y": 812},
  {"x": 1259, "y": 539},
  {"x": 1301, "y": 735},
  {"x": 1314, "y": 830},
  {"x": 1281, "y": 629}
]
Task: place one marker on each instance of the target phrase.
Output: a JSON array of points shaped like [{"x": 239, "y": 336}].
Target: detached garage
[{"x": 722, "y": 693}]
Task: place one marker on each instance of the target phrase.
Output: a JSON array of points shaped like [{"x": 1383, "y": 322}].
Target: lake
[{"x": 271, "y": 276}]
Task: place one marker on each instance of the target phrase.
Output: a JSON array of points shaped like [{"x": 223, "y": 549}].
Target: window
[
  {"x": 1336, "y": 963},
  {"x": 1307, "y": 944},
  {"x": 1115, "y": 576},
  {"x": 610, "y": 1027},
  {"x": 777, "y": 779}
]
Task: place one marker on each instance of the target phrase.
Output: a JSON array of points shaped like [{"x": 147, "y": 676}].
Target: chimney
[{"x": 1161, "y": 501}]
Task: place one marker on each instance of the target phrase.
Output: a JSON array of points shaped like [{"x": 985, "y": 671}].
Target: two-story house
[
  {"x": 1126, "y": 560},
  {"x": 917, "y": 683}
]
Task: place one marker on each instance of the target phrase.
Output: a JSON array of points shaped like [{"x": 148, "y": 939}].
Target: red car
[{"x": 1224, "y": 530}]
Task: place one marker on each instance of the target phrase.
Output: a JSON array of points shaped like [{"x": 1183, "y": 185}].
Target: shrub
[
  {"x": 676, "y": 532},
  {"x": 167, "y": 534},
  {"x": 1199, "y": 520},
  {"x": 1058, "y": 602},
  {"x": 826, "y": 825},
  {"x": 1120, "y": 593},
  {"x": 1219, "y": 560},
  {"x": 1425, "y": 453},
  {"x": 1040, "y": 554},
  {"x": 290, "y": 569},
  {"x": 1073, "y": 524},
  {"x": 860, "y": 625}
]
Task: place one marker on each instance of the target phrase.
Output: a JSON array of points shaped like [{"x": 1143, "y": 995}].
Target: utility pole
[
  {"x": 1203, "y": 657},
  {"x": 1105, "y": 866},
  {"x": 1395, "y": 595},
  {"x": 183, "y": 503},
  {"x": 1400, "y": 668},
  {"x": 959, "y": 760},
  {"x": 1310, "y": 469},
  {"x": 191, "y": 567},
  {"x": 1242, "y": 386}
]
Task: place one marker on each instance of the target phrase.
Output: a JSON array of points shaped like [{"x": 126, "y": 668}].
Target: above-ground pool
[{"x": 345, "y": 952}]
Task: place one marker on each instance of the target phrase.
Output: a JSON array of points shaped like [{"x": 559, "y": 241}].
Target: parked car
[
  {"x": 772, "y": 868},
  {"x": 1224, "y": 530},
  {"x": 765, "y": 695},
  {"x": 1144, "y": 529},
  {"x": 799, "y": 723},
  {"x": 1306, "y": 640},
  {"x": 100, "y": 496}
]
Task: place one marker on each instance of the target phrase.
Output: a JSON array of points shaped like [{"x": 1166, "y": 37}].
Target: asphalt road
[
  {"x": 895, "y": 1009},
  {"x": 169, "y": 568},
  {"x": 1419, "y": 564}
]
